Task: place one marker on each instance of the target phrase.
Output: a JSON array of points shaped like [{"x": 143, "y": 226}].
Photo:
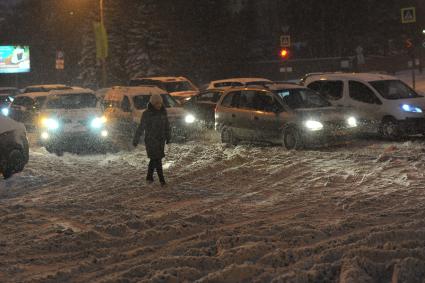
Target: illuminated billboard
[{"x": 14, "y": 59}]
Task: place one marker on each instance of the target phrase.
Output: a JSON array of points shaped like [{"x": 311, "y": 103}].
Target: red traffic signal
[{"x": 284, "y": 53}]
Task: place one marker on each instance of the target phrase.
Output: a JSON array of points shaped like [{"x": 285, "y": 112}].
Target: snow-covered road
[{"x": 351, "y": 213}]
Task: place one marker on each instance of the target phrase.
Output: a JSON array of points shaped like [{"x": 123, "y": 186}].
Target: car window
[
  {"x": 302, "y": 98},
  {"x": 23, "y": 101},
  {"x": 394, "y": 89},
  {"x": 228, "y": 99},
  {"x": 361, "y": 92},
  {"x": 178, "y": 86},
  {"x": 265, "y": 102},
  {"x": 331, "y": 90},
  {"x": 209, "y": 97},
  {"x": 246, "y": 100},
  {"x": 316, "y": 85},
  {"x": 71, "y": 101},
  {"x": 39, "y": 102},
  {"x": 125, "y": 104},
  {"x": 141, "y": 101}
]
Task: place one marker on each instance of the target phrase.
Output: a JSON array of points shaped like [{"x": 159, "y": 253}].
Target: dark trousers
[{"x": 155, "y": 164}]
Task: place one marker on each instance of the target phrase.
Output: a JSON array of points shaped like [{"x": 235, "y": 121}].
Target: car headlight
[
  {"x": 314, "y": 125},
  {"x": 5, "y": 111},
  {"x": 45, "y": 136},
  {"x": 190, "y": 119},
  {"x": 50, "y": 124},
  {"x": 352, "y": 122},
  {"x": 411, "y": 108},
  {"x": 98, "y": 122}
]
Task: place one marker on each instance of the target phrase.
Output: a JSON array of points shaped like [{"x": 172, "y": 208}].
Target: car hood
[
  {"x": 173, "y": 113},
  {"x": 72, "y": 114},
  {"x": 325, "y": 114},
  {"x": 8, "y": 125}
]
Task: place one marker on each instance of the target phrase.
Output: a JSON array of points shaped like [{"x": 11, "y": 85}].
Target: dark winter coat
[{"x": 154, "y": 124}]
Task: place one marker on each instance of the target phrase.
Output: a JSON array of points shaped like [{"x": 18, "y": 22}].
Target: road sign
[
  {"x": 285, "y": 41},
  {"x": 408, "y": 15}
]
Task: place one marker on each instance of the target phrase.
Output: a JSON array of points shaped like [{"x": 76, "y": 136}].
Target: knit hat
[{"x": 155, "y": 99}]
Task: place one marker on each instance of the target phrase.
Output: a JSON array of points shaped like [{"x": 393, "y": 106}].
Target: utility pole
[{"x": 103, "y": 60}]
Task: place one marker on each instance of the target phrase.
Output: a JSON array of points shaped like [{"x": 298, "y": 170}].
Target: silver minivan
[{"x": 285, "y": 114}]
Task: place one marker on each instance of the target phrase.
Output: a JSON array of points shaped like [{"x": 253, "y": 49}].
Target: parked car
[
  {"x": 180, "y": 88},
  {"x": 14, "y": 149},
  {"x": 124, "y": 107},
  {"x": 5, "y": 101},
  {"x": 25, "y": 108},
  {"x": 283, "y": 114},
  {"x": 383, "y": 103},
  {"x": 72, "y": 119},
  {"x": 203, "y": 105},
  {"x": 45, "y": 88},
  {"x": 236, "y": 82}
]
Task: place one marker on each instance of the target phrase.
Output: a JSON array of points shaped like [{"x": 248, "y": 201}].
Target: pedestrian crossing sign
[{"x": 408, "y": 15}]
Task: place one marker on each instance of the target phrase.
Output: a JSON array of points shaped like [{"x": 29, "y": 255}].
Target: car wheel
[
  {"x": 228, "y": 137},
  {"x": 390, "y": 129},
  {"x": 292, "y": 139},
  {"x": 15, "y": 163}
]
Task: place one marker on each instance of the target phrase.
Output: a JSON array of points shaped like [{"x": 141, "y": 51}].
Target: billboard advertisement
[{"x": 14, "y": 59}]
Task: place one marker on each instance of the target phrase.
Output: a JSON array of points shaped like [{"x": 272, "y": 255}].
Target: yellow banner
[{"x": 101, "y": 40}]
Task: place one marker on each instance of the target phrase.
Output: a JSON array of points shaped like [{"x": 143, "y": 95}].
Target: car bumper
[
  {"x": 325, "y": 136},
  {"x": 70, "y": 138}
]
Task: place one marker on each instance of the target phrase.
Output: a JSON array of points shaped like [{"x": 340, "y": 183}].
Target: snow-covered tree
[{"x": 148, "y": 41}]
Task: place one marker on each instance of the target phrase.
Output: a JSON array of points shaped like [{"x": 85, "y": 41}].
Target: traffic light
[{"x": 284, "y": 53}]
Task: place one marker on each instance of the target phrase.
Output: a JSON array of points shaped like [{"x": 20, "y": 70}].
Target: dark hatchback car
[
  {"x": 25, "y": 108},
  {"x": 203, "y": 105},
  {"x": 281, "y": 114},
  {"x": 5, "y": 101}
]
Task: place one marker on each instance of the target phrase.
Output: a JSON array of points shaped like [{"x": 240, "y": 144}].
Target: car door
[
  {"x": 332, "y": 90},
  {"x": 364, "y": 102},
  {"x": 204, "y": 105},
  {"x": 266, "y": 117}
]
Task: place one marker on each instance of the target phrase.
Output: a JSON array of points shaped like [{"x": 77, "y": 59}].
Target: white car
[
  {"x": 72, "y": 118},
  {"x": 383, "y": 103},
  {"x": 14, "y": 149},
  {"x": 236, "y": 82},
  {"x": 180, "y": 88},
  {"x": 124, "y": 107}
]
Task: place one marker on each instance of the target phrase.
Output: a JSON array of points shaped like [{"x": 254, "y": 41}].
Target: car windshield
[
  {"x": 257, "y": 83},
  {"x": 302, "y": 98},
  {"x": 394, "y": 89},
  {"x": 227, "y": 84},
  {"x": 141, "y": 101},
  {"x": 45, "y": 88},
  {"x": 178, "y": 86},
  {"x": 39, "y": 101},
  {"x": 72, "y": 101}
]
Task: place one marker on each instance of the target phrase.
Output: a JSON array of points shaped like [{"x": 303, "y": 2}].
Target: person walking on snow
[{"x": 155, "y": 125}]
